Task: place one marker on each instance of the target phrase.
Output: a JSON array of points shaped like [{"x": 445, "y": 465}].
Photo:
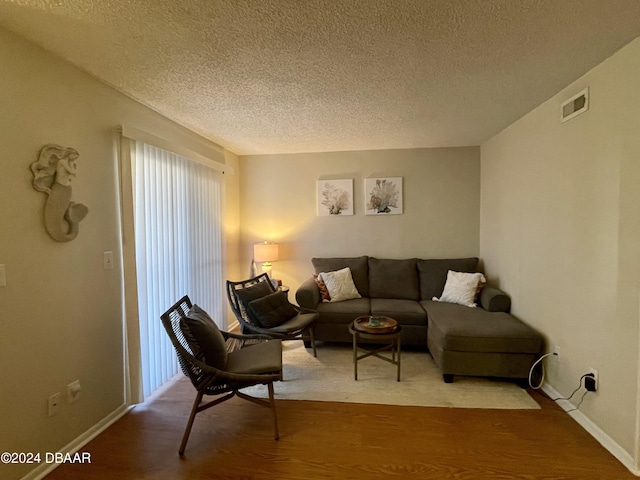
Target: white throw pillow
[
  {"x": 462, "y": 288},
  {"x": 340, "y": 285}
]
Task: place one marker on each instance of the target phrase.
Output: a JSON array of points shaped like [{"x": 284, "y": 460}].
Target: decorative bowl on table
[{"x": 375, "y": 324}]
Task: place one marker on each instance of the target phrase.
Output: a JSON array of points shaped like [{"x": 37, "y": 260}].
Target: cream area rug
[{"x": 329, "y": 378}]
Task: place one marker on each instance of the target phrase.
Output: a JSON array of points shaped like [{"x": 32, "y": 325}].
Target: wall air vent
[{"x": 575, "y": 105}]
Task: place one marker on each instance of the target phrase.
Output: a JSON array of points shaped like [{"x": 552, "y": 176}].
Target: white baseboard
[
  {"x": 596, "y": 432},
  {"x": 234, "y": 327},
  {"x": 75, "y": 445}
]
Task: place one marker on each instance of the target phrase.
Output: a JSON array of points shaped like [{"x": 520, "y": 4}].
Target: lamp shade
[{"x": 265, "y": 252}]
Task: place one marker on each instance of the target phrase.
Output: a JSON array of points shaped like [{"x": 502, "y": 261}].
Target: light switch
[
  {"x": 73, "y": 391},
  {"x": 3, "y": 276}
]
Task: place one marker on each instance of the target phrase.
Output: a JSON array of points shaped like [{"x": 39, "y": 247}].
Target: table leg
[
  {"x": 355, "y": 356},
  {"x": 399, "y": 352}
]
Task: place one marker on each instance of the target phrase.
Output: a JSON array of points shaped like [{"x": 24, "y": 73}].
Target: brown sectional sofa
[{"x": 482, "y": 341}]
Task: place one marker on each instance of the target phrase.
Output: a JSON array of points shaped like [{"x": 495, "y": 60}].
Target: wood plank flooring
[{"x": 322, "y": 440}]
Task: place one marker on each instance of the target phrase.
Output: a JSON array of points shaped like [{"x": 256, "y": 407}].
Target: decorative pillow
[
  {"x": 462, "y": 288},
  {"x": 248, "y": 294},
  {"x": 481, "y": 283},
  {"x": 324, "y": 293},
  {"x": 204, "y": 338},
  {"x": 340, "y": 285},
  {"x": 272, "y": 310},
  {"x": 359, "y": 269},
  {"x": 433, "y": 273}
]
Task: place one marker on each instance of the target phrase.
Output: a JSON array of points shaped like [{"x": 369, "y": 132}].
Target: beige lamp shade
[{"x": 265, "y": 252}]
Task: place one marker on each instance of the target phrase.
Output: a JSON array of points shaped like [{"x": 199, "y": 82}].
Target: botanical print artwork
[
  {"x": 383, "y": 196},
  {"x": 335, "y": 197}
]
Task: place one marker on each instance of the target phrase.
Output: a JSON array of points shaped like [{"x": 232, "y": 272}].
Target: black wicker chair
[
  {"x": 246, "y": 366},
  {"x": 299, "y": 327}
]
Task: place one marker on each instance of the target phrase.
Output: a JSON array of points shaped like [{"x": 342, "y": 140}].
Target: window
[{"x": 176, "y": 204}]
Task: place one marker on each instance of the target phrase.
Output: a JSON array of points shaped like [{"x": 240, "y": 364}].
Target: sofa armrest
[
  {"x": 308, "y": 294},
  {"x": 494, "y": 300}
]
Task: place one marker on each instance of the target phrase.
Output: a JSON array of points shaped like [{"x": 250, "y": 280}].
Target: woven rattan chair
[
  {"x": 299, "y": 327},
  {"x": 252, "y": 360}
]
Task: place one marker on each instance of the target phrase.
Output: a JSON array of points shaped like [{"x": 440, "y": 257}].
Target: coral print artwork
[
  {"x": 335, "y": 197},
  {"x": 383, "y": 196}
]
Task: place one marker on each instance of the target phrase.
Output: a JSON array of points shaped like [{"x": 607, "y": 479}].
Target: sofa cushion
[
  {"x": 405, "y": 312},
  {"x": 433, "y": 273},
  {"x": 359, "y": 269},
  {"x": 343, "y": 312},
  {"x": 458, "y": 328},
  {"x": 390, "y": 278}
]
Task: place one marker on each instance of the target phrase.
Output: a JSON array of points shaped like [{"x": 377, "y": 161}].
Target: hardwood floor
[{"x": 344, "y": 441}]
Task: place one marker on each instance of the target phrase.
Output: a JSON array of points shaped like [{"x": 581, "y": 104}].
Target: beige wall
[
  {"x": 441, "y": 207},
  {"x": 61, "y": 312},
  {"x": 560, "y": 230}
]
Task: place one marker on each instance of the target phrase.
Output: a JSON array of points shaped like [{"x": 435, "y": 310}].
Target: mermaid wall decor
[{"x": 53, "y": 173}]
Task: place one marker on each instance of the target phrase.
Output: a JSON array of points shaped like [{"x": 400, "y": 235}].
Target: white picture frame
[
  {"x": 335, "y": 197},
  {"x": 383, "y": 196}
]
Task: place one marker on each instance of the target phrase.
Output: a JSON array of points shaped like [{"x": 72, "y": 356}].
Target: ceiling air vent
[{"x": 575, "y": 106}]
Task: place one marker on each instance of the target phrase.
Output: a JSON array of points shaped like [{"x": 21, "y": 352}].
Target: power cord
[
  {"x": 572, "y": 393},
  {"x": 542, "y": 381},
  {"x": 542, "y": 366},
  {"x": 579, "y": 403}
]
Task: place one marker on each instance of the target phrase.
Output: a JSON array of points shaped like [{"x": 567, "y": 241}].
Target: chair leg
[
  {"x": 273, "y": 410},
  {"x": 192, "y": 417}
]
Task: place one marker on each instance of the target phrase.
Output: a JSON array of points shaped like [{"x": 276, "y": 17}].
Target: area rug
[{"x": 329, "y": 378}]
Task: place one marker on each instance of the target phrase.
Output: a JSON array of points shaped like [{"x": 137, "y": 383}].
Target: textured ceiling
[{"x": 281, "y": 76}]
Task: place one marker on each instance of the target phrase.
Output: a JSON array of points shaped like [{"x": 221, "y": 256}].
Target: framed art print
[
  {"x": 335, "y": 197},
  {"x": 383, "y": 196}
]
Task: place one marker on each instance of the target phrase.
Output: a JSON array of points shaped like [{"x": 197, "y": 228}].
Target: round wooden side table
[{"x": 390, "y": 342}]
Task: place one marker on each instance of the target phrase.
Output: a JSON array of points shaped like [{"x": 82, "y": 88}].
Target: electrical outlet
[{"x": 54, "y": 404}]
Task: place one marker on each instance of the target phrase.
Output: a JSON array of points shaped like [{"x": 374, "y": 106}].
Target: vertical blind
[{"x": 178, "y": 248}]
